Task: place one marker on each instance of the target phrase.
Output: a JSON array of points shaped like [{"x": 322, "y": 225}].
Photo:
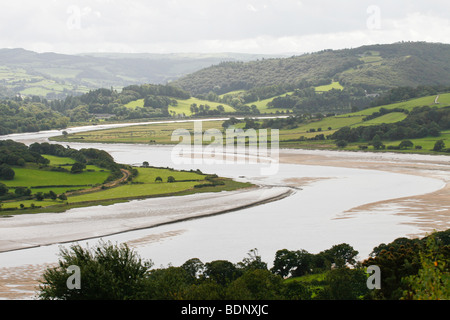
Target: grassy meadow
[
  {"x": 333, "y": 85},
  {"x": 289, "y": 138},
  {"x": 83, "y": 189}
]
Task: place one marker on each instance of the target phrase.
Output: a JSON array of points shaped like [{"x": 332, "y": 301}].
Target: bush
[
  {"x": 405, "y": 144},
  {"x": 439, "y": 145},
  {"x": 3, "y": 189},
  {"x": 341, "y": 143},
  {"x": 77, "y": 167},
  {"x": 108, "y": 272},
  {"x": 6, "y": 172}
]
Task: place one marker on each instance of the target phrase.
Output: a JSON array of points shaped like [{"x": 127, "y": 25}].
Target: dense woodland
[
  {"x": 36, "y": 114},
  {"x": 371, "y": 67},
  {"x": 370, "y": 76},
  {"x": 410, "y": 269}
]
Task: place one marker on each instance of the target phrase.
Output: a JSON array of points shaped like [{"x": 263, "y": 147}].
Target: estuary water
[{"x": 312, "y": 218}]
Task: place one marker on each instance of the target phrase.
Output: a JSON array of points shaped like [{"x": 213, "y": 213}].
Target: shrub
[
  {"x": 108, "y": 272},
  {"x": 6, "y": 172}
]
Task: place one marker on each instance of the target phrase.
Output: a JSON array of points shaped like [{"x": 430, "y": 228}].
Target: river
[{"x": 312, "y": 218}]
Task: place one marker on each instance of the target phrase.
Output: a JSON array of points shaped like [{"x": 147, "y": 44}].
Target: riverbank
[
  {"x": 35, "y": 230},
  {"x": 431, "y": 211},
  {"x": 427, "y": 205}
]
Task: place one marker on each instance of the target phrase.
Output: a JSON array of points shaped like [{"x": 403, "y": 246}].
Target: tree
[
  {"x": 345, "y": 284},
  {"x": 167, "y": 283},
  {"x": 194, "y": 267},
  {"x": 77, "y": 167},
  {"x": 170, "y": 179},
  {"x": 158, "y": 179},
  {"x": 62, "y": 197},
  {"x": 22, "y": 192},
  {"x": 145, "y": 164},
  {"x": 253, "y": 261},
  {"x": 221, "y": 271},
  {"x": 108, "y": 272},
  {"x": 433, "y": 279},
  {"x": 341, "y": 143},
  {"x": 377, "y": 143},
  {"x": 439, "y": 145},
  {"x": 341, "y": 255},
  {"x": 256, "y": 284},
  {"x": 6, "y": 172},
  {"x": 3, "y": 189},
  {"x": 405, "y": 144},
  {"x": 39, "y": 196},
  {"x": 52, "y": 195},
  {"x": 292, "y": 263}
]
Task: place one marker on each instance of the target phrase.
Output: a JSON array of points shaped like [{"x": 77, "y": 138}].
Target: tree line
[
  {"x": 15, "y": 154},
  {"x": 33, "y": 114},
  {"x": 410, "y": 269},
  {"x": 420, "y": 122}
]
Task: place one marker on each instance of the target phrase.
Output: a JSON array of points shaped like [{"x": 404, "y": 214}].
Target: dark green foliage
[
  {"x": 116, "y": 272},
  {"x": 345, "y": 284},
  {"x": 6, "y": 172},
  {"x": 439, "y": 145},
  {"x": 89, "y": 156},
  {"x": 309, "y": 101},
  {"x": 403, "y": 64},
  {"x": 420, "y": 122},
  {"x": 77, "y": 167},
  {"x": 341, "y": 143},
  {"x": 108, "y": 272},
  {"x": 405, "y": 93},
  {"x": 28, "y": 116},
  {"x": 3, "y": 189},
  {"x": 401, "y": 259},
  {"x": 406, "y": 144},
  {"x": 257, "y": 284},
  {"x": 22, "y": 192},
  {"x": 17, "y": 154}
]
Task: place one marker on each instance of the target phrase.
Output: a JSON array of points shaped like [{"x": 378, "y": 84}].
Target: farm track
[{"x": 125, "y": 175}]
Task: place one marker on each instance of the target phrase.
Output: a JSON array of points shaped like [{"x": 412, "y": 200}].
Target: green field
[
  {"x": 135, "y": 104},
  {"x": 387, "y": 118},
  {"x": 289, "y": 138},
  {"x": 59, "y": 161},
  {"x": 160, "y": 133},
  {"x": 333, "y": 85},
  {"x": 443, "y": 101},
  {"x": 184, "y": 106},
  {"x": 32, "y": 177},
  {"x": 43, "y": 180},
  {"x": 265, "y": 109},
  {"x": 142, "y": 186}
]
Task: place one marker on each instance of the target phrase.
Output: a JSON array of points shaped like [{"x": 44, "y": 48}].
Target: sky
[{"x": 210, "y": 26}]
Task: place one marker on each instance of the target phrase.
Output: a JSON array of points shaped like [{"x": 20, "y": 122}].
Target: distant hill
[
  {"x": 373, "y": 67},
  {"x": 53, "y": 75}
]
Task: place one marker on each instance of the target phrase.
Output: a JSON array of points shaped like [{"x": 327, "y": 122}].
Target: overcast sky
[{"x": 248, "y": 26}]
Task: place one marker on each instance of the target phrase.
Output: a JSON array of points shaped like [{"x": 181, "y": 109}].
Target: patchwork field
[
  {"x": 84, "y": 188},
  {"x": 289, "y": 138}
]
